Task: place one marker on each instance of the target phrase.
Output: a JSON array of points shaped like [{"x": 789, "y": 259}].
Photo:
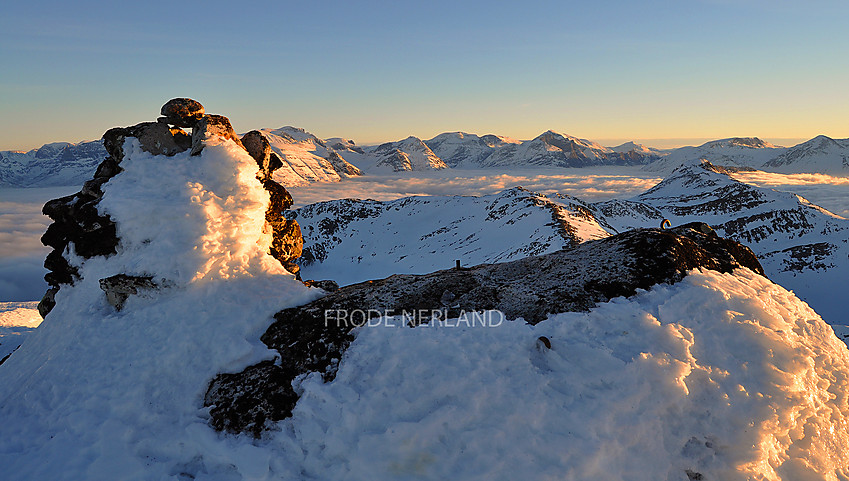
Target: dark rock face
[
  {"x": 287, "y": 242},
  {"x": 76, "y": 218},
  {"x": 574, "y": 279},
  {"x": 257, "y": 145},
  {"x": 182, "y": 112}
]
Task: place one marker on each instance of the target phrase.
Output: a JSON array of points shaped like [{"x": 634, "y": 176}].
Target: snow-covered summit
[
  {"x": 306, "y": 158},
  {"x": 464, "y": 149},
  {"x": 741, "y": 142},
  {"x": 821, "y": 154},
  {"x": 635, "y": 147},
  {"x": 799, "y": 244},
  {"x": 410, "y": 154}
]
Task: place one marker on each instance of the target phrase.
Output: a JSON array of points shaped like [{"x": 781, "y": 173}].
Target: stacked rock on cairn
[{"x": 76, "y": 218}]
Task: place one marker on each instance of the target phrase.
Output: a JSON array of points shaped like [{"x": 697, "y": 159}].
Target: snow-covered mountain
[
  {"x": 734, "y": 152},
  {"x": 801, "y": 245},
  {"x": 410, "y": 154},
  {"x": 549, "y": 149},
  {"x": 54, "y": 164},
  {"x": 821, "y": 154},
  {"x": 354, "y": 240},
  {"x": 632, "y": 146},
  {"x": 306, "y": 158},
  {"x": 458, "y": 149}
]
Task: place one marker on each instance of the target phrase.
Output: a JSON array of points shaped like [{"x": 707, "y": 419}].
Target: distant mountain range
[
  {"x": 308, "y": 158},
  {"x": 801, "y": 246}
]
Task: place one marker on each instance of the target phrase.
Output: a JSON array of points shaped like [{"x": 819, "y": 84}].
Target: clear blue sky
[{"x": 375, "y": 71}]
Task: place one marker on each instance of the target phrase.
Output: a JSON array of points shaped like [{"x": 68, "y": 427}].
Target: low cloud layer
[
  {"x": 826, "y": 191},
  {"x": 590, "y": 184}
]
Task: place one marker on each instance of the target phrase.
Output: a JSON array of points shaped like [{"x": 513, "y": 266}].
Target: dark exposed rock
[
  {"x": 257, "y": 145},
  {"x": 574, "y": 279},
  {"x": 287, "y": 242},
  {"x": 48, "y": 302},
  {"x": 327, "y": 285},
  {"x": 212, "y": 125},
  {"x": 120, "y": 287},
  {"x": 182, "y": 112},
  {"x": 154, "y": 137}
]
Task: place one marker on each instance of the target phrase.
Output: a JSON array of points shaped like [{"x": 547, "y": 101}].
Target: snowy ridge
[
  {"x": 310, "y": 159},
  {"x": 734, "y": 152},
  {"x": 55, "y": 164},
  {"x": 410, "y": 154},
  {"x": 550, "y": 149},
  {"x": 355, "y": 240},
  {"x": 17, "y": 321},
  {"x": 801, "y": 245},
  {"x": 458, "y": 149},
  {"x": 821, "y": 154},
  {"x": 306, "y": 158},
  {"x": 633, "y": 146}
]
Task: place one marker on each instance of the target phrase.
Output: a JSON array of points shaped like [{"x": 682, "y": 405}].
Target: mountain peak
[{"x": 747, "y": 142}]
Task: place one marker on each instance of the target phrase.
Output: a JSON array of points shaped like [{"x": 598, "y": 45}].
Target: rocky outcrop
[
  {"x": 181, "y": 112},
  {"x": 574, "y": 279},
  {"x": 78, "y": 223}
]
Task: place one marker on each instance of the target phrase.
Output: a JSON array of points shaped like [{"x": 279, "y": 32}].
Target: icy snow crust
[{"x": 727, "y": 376}]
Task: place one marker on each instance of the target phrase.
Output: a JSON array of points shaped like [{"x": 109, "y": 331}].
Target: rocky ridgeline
[
  {"x": 77, "y": 221},
  {"x": 572, "y": 279}
]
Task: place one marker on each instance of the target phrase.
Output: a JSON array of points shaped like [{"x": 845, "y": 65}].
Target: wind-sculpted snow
[
  {"x": 354, "y": 240},
  {"x": 718, "y": 377},
  {"x": 313, "y": 338},
  {"x": 106, "y": 394}
]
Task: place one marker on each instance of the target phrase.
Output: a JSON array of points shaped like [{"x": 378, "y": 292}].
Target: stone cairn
[{"x": 76, "y": 218}]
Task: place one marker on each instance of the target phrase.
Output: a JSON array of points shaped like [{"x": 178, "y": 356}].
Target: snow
[
  {"x": 116, "y": 395},
  {"x": 729, "y": 376},
  {"x": 357, "y": 240},
  {"x": 726, "y": 376}
]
